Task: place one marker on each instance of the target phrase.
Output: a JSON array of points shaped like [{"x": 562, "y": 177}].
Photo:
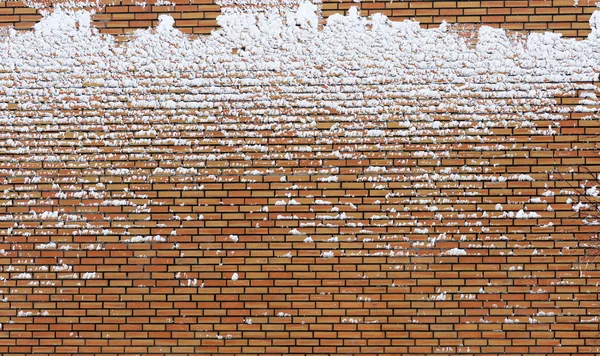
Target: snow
[
  {"x": 542, "y": 313},
  {"x": 46, "y": 215},
  {"x": 296, "y": 232},
  {"x": 439, "y": 297},
  {"x": 595, "y": 25},
  {"x": 306, "y": 15},
  {"x": 593, "y": 191},
  {"x": 521, "y": 214},
  {"x": 61, "y": 268},
  {"x": 150, "y": 238},
  {"x": 329, "y": 179},
  {"x": 49, "y": 245},
  {"x": 548, "y": 193},
  {"x": 350, "y": 321},
  {"x": 579, "y": 206},
  {"x": 24, "y": 314},
  {"x": 23, "y": 275},
  {"x": 456, "y": 252},
  {"x": 327, "y": 254}
]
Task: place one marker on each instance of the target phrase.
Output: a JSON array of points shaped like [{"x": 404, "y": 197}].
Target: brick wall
[
  {"x": 164, "y": 197},
  {"x": 126, "y": 16},
  {"x": 198, "y": 16},
  {"x": 545, "y": 15}
]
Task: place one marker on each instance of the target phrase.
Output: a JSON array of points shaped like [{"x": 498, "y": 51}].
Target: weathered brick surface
[{"x": 132, "y": 195}]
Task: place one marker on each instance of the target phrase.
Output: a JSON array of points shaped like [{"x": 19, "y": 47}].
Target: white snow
[
  {"x": 548, "y": 193},
  {"x": 590, "y": 320},
  {"x": 156, "y": 238},
  {"x": 23, "y": 275},
  {"x": 521, "y": 214},
  {"x": 327, "y": 254},
  {"x": 440, "y": 297},
  {"x": 542, "y": 313},
  {"x": 61, "y": 268},
  {"x": 329, "y": 179},
  {"x": 456, "y": 252},
  {"x": 45, "y": 246},
  {"x": 595, "y": 24},
  {"x": 306, "y": 15},
  {"x": 593, "y": 191}
]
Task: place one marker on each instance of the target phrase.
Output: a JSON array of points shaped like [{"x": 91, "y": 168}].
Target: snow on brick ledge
[
  {"x": 368, "y": 171},
  {"x": 263, "y": 5}
]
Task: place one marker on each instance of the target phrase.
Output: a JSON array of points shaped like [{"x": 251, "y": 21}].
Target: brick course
[
  {"x": 199, "y": 16},
  {"x": 537, "y": 15}
]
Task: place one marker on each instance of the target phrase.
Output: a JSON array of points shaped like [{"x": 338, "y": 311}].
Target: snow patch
[{"x": 456, "y": 252}]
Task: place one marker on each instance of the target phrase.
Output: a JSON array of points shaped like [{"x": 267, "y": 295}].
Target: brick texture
[
  {"x": 536, "y": 15},
  {"x": 124, "y": 238},
  {"x": 199, "y": 16},
  {"x": 125, "y": 16}
]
